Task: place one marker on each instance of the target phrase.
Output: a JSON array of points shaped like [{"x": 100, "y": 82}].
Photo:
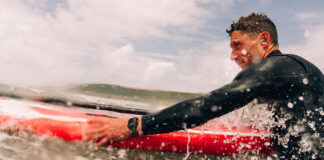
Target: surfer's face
[{"x": 245, "y": 50}]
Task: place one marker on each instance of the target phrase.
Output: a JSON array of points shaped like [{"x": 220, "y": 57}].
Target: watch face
[
  {"x": 133, "y": 122},
  {"x": 132, "y": 126}
]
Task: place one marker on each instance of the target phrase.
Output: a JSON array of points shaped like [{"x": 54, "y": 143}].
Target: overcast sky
[{"x": 163, "y": 44}]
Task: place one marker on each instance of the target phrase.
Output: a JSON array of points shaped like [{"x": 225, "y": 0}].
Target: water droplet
[
  {"x": 197, "y": 101},
  {"x": 69, "y": 103},
  {"x": 184, "y": 125},
  {"x": 312, "y": 125},
  {"x": 244, "y": 52},
  {"x": 321, "y": 111},
  {"x": 290, "y": 105},
  {"x": 309, "y": 112},
  {"x": 305, "y": 81},
  {"x": 301, "y": 98},
  {"x": 121, "y": 154},
  {"x": 306, "y": 34},
  {"x": 214, "y": 108}
]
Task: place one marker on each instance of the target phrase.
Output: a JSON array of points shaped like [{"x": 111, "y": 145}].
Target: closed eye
[{"x": 235, "y": 45}]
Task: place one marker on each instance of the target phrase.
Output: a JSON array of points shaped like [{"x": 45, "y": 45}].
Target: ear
[{"x": 265, "y": 39}]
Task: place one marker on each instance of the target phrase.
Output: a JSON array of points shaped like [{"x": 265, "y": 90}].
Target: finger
[
  {"x": 103, "y": 141},
  {"x": 99, "y": 131},
  {"x": 87, "y": 137},
  {"x": 92, "y": 131},
  {"x": 96, "y": 135},
  {"x": 96, "y": 123},
  {"x": 90, "y": 136}
]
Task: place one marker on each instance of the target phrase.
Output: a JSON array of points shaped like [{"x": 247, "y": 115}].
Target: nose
[{"x": 234, "y": 55}]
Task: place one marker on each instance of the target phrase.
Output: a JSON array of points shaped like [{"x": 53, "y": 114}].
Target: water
[{"x": 24, "y": 146}]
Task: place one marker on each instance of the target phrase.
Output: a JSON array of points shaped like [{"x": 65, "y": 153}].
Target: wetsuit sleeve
[{"x": 257, "y": 80}]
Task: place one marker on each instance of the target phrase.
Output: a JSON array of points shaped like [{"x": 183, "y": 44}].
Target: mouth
[{"x": 241, "y": 64}]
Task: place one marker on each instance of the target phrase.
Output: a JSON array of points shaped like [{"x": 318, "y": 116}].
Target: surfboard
[{"x": 69, "y": 124}]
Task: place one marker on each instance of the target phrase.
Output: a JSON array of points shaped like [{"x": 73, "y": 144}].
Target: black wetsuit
[{"x": 293, "y": 88}]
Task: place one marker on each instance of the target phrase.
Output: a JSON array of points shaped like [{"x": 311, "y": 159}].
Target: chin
[{"x": 241, "y": 65}]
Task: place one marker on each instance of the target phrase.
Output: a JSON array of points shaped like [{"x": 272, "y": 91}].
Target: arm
[
  {"x": 194, "y": 112},
  {"x": 265, "y": 79},
  {"x": 186, "y": 114},
  {"x": 271, "y": 79}
]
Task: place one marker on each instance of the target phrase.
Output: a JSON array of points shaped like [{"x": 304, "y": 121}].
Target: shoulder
[
  {"x": 300, "y": 63},
  {"x": 286, "y": 63},
  {"x": 274, "y": 66}
]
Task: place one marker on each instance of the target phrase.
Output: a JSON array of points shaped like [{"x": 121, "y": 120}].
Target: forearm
[
  {"x": 186, "y": 114},
  {"x": 194, "y": 112}
]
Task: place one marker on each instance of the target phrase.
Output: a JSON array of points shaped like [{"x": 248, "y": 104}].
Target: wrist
[
  {"x": 134, "y": 126},
  {"x": 139, "y": 127}
]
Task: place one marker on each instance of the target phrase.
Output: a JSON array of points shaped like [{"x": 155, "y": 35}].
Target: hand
[{"x": 105, "y": 130}]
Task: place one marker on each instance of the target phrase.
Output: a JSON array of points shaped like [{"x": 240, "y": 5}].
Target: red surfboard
[{"x": 69, "y": 124}]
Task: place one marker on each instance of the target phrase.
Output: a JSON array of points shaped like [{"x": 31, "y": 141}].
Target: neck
[{"x": 269, "y": 50}]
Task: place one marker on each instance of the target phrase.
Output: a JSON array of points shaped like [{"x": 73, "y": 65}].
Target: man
[{"x": 291, "y": 86}]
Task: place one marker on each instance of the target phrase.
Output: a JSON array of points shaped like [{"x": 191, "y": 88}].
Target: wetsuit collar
[{"x": 275, "y": 52}]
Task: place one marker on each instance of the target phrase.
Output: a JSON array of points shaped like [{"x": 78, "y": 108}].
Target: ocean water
[{"x": 24, "y": 146}]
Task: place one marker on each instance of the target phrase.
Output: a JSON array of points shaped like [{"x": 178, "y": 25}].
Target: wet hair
[{"x": 255, "y": 24}]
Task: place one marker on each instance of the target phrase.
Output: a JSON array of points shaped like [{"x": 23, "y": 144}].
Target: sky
[{"x": 158, "y": 44}]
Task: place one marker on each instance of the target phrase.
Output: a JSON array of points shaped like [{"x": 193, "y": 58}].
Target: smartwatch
[{"x": 132, "y": 126}]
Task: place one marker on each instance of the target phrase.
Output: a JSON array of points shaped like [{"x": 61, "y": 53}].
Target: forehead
[{"x": 239, "y": 36}]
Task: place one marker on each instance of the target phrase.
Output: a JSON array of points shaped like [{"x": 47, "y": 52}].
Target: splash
[{"x": 188, "y": 152}]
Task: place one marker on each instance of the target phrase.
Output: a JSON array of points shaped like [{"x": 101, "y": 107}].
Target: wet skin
[{"x": 247, "y": 49}]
